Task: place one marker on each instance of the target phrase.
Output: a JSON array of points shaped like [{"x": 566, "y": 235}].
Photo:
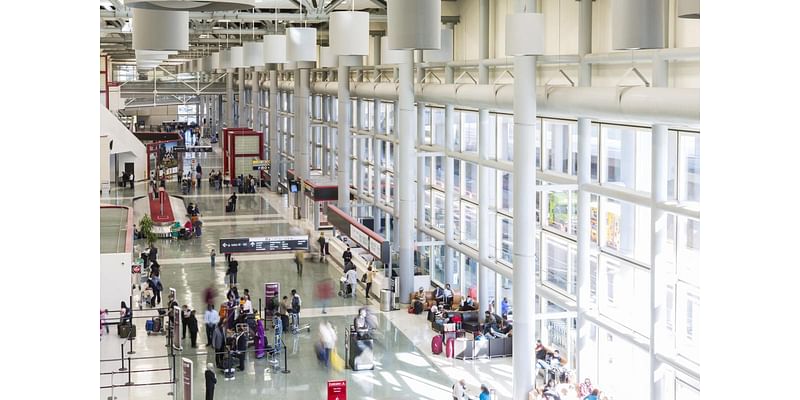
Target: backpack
[{"x": 296, "y": 304}]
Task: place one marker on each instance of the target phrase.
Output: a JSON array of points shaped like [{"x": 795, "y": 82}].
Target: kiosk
[{"x": 314, "y": 195}]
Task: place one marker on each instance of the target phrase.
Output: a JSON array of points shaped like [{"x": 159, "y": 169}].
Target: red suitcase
[
  {"x": 436, "y": 344},
  {"x": 450, "y": 347}
]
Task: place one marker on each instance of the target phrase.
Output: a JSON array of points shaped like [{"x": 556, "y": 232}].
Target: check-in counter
[{"x": 361, "y": 259}]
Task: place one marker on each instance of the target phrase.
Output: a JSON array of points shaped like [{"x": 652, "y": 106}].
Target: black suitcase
[{"x": 126, "y": 329}]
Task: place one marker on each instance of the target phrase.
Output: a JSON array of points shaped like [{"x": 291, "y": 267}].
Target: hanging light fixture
[
  {"x": 254, "y": 51},
  {"x": 414, "y": 24},
  {"x": 160, "y": 30},
  {"x": 275, "y": 45},
  {"x": 444, "y": 54},
  {"x": 689, "y": 9},
  {"x": 389, "y": 56},
  {"x": 237, "y": 57},
  {"x": 301, "y": 42},
  {"x": 189, "y": 5},
  {"x": 215, "y": 61},
  {"x": 524, "y": 34},
  {"x": 349, "y": 33},
  {"x": 327, "y": 59},
  {"x": 637, "y": 24}
]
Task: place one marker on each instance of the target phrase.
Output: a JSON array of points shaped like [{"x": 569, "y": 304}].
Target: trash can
[{"x": 386, "y": 300}]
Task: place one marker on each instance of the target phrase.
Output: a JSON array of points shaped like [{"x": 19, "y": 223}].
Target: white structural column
[
  {"x": 584, "y": 241},
  {"x": 420, "y": 161},
  {"x": 524, "y": 182},
  {"x": 360, "y": 143},
  {"x": 344, "y": 144},
  {"x": 240, "y": 118},
  {"x": 229, "y": 99},
  {"x": 274, "y": 148},
  {"x": 301, "y": 124},
  {"x": 377, "y": 150},
  {"x": 486, "y": 187},
  {"x": 407, "y": 135},
  {"x": 658, "y": 236},
  {"x": 449, "y": 199},
  {"x": 585, "y": 41},
  {"x": 584, "y": 197},
  {"x": 255, "y": 98}
]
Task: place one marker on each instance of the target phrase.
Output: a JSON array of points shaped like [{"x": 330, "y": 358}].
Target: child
[{"x": 213, "y": 257}]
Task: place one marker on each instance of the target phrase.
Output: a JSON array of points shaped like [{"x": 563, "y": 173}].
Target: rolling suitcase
[
  {"x": 148, "y": 326},
  {"x": 436, "y": 344},
  {"x": 450, "y": 347}
]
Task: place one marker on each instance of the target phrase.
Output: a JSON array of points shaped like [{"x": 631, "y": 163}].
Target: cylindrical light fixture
[
  {"x": 274, "y": 49},
  {"x": 414, "y": 24},
  {"x": 290, "y": 65},
  {"x": 215, "y": 61},
  {"x": 191, "y": 5},
  {"x": 160, "y": 30},
  {"x": 237, "y": 57},
  {"x": 253, "y": 54},
  {"x": 301, "y": 44},
  {"x": 207, "y": 64},
  {"x": 326, "y": 58},
  {"x": 349, "y": 33},
  {"x": 444, "y": 54},
  {"x": 389, "y": 56},
  {"x": 689, "y": 9},
  {"x": 637, "y": 24},
  {"x": 225, "y": 59},
  {"x": 524, "y": 34}
]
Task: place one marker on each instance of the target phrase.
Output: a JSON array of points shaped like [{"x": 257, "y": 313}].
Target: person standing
[
  {"x": 485, "y": 395},
  {"x": 296, "y": 303},
  {"x": 211, "y": 380},
  {"x": 211, "y": 318},
  {"x": 347, "y": 255},
  {"x": 370, "y": 274},
  {"x": 185, "y": 312},
  {"x": 213, "y": 258},
  {"x": 157, "y": 287},
  {"x": 153, "y": 254},
  {"x": 298, "y": 260},
  {"x": 321, "y": 242},
  {"x": 218, "y": 341},
  {"x": 130, "y": 180},
  {"x": 504, "y": 307},
  {"x": 241, "y": 348},
  {"x": 192, "y": 324},
  {"x": 351, "y": 280},
  {"x": 233, "y": 270},
  {"x": 199, "y": 171}
]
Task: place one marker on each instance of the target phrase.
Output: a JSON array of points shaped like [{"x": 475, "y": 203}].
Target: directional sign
[
  {"x": 267, "y": 243},
  {"x": 337, "y": 390},
  {"x": 192, "y": 149}
]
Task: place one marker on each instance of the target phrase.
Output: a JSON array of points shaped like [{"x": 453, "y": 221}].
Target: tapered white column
[
  {"x": 301, "y": 123},
  {"x": 377, "y": 150},
  {"x": 255, "y": 97},
  {"x": 229, "y": 99},
  {"x": 449, "y": 198},
  {"x": 524, "y": 179},
  {"x": 585, "y": 41},
  {"x": 407, "y": 135},
  {"x": 658, "y": 236},
  {"x": 584, "y": 242},
  {"x": 241, "y": 118},
  {"x": 344, "y": 144},
  {"x": 274, "y": 148},
  {"x": 486, "y": 188},
  {"x": 420, "y": 161}
]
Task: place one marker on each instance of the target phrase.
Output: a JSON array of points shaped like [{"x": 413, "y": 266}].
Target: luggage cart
[{"x": 295, "y": 324}]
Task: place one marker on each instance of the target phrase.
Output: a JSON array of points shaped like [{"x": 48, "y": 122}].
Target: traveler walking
[
  {"x": 192, "y": 324},
  {"x": 233, "y": 270},
  {"x": 321, "y": 242},
  {"x": 213, "y": 258},
  {"x": 369, "y": 277},
  {"x": 218, "y": 341},
  {"x": 298, "y": 260}
]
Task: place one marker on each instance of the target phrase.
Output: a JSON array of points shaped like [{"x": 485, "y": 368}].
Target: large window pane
[
  {"x": 505, "y": 137},
  {"x": 438, "y": 210},
  {"x": 504, "y": 183},
  {"x": 689, "y": 250},
  {"x": 622, "y": 287},
  {"x": 438, "y": 126},
  {"x": 555, "y": 254},
  {"x": 557, "y": 142},
  {"x": 470, "y": 180},
  {"x": 625, "y": 229},
  {"x": 689, "y": 163},
  {"x": 428, "y": 135},
  {"x": 470, "y": 225},
  {"x": 439, "y": 175},
  {"x": 505, "y": 236},
  {"x": 626, "y": 153},
  {"x": 469, "y": 131},
  {"x": 558, "y": 211}
]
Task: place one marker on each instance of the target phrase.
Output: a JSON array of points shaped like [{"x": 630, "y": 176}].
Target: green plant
[{"x": 146, "y": 229}]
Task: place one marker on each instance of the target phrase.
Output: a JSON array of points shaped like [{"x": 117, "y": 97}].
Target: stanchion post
[
  {"x": 122, "y": 356},
  {"x": 130, "y": 340},
  {"x": 130, "y": 382},
  {"x": 285, "y": 365}
]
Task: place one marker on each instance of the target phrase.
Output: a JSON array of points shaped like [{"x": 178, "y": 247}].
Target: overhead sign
[
  {"x": 267, "y": 243},
  {"x": 260, "y": 165},
  {"x": 188, "y": 377},
  {"x": 192, "y": 149},
  {"x": 337, "y": 390}
]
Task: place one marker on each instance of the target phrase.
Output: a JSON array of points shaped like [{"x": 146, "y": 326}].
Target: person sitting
[
  {"x": 488, "y": 323},
  {"x": 419, "y": 301},
  {"x": 361, "y": 324},
  {"x": 448, "y": 296},
  {"x": 469, "y": 304},
  {"x": 438, "y": 294},
  {"x": 593, "y": 395},
  {"x": 189, "y": 229},
  {"x": 438, "y": 313},
  {"x": 506, "y": 327}
]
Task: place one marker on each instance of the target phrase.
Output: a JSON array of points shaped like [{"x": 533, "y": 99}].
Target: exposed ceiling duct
[{"x": 189, "y": 5}]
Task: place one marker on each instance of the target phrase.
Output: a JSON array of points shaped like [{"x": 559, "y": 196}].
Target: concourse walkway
[{"x": 405, "y": 367}]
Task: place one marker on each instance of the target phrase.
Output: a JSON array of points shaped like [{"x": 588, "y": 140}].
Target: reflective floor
[{"x": 405, "y": 367}]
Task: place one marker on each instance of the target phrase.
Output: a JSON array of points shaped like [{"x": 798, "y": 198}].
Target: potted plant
[{"x": 146, "y": 230}]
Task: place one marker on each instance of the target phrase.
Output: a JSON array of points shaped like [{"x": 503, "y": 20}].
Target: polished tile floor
[{"x": 405, "y": 367}]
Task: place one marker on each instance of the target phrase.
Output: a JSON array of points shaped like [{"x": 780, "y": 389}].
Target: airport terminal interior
[{"x": 400, "y": 199}]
